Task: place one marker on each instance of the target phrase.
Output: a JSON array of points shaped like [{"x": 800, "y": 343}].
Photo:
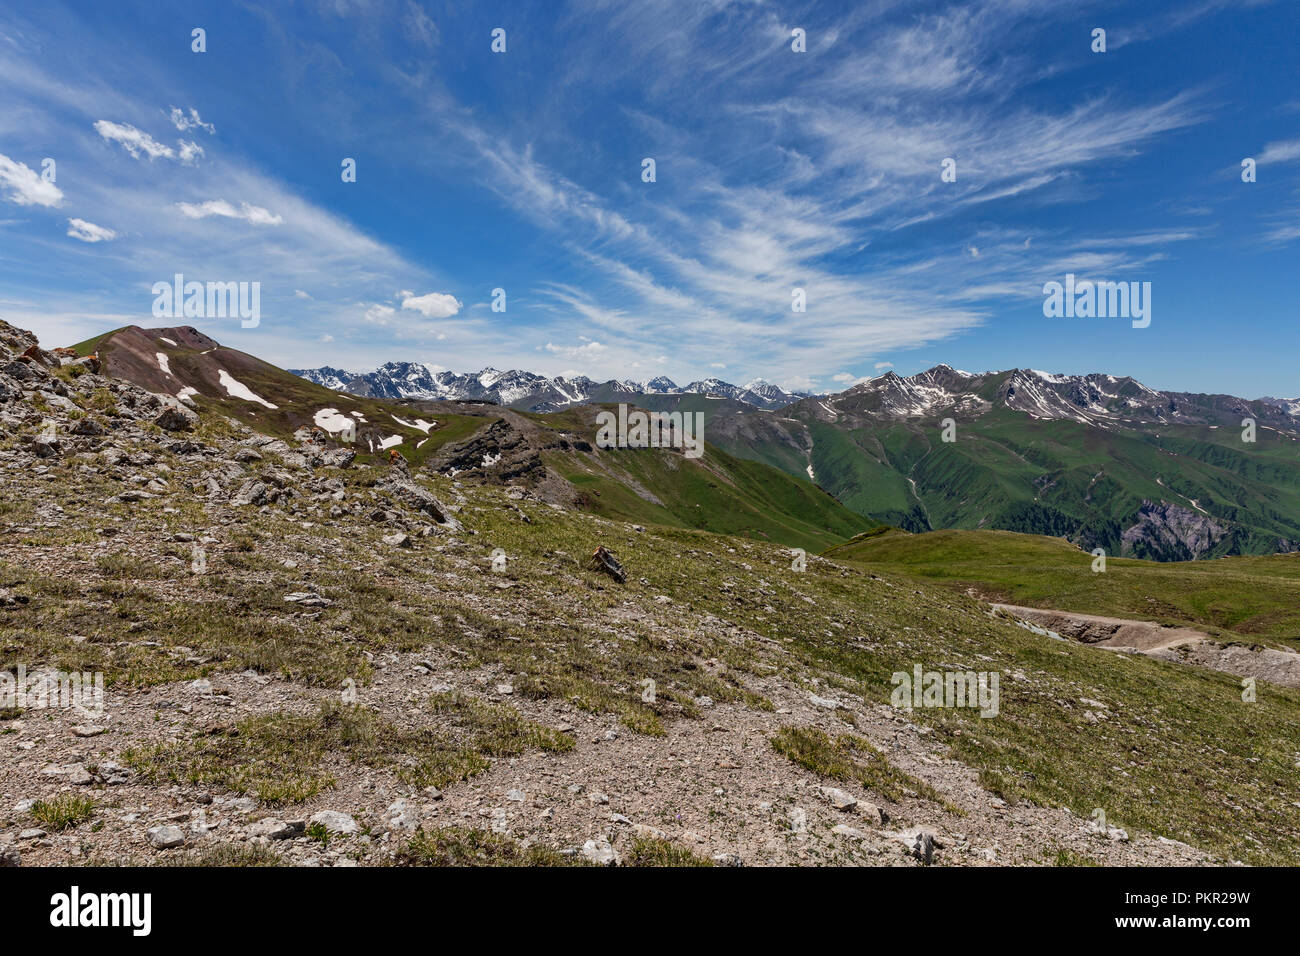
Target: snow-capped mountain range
[
  {"x": 528, "y": 390},
  {"x": 1095, "y": 399}
]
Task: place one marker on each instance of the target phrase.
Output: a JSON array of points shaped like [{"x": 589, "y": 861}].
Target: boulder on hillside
[
  {"x": 176, "y": 418},
  {"x": 416, "y": 498}
]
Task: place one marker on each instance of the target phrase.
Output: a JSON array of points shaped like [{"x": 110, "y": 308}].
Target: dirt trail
[{"x": 1181, "y": 644}]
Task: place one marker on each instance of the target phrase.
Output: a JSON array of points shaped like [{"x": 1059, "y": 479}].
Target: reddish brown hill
[{"x": 184, "y": 362}]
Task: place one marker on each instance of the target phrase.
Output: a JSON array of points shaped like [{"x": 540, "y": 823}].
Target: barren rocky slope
[{"x": 314, "y": 662}]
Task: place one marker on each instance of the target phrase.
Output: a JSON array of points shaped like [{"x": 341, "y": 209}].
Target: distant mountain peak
[{"x": 528, "y": 390}]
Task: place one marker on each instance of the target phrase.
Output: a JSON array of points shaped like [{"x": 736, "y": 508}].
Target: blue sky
[{"x": 775, "y": 170}]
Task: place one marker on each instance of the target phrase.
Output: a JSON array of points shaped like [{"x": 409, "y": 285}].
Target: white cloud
[
  {"x": 881, "y": 366},
  {"x": 189, "y": 152},
  {"x": 256, "y": 215},
  {"x": 88, "y": 231},
  {"x": 24, "y": 186},
  {"x": 432, "y": 305},
  {"x": 299, "y": 294},
  {"x": 379, "y": 314},
  {"x": 135, "y": 141},
  {"x": 183, "y": 122},
  {"x": 591, "y": 350},
  {"x": 1285, "y": 151}
]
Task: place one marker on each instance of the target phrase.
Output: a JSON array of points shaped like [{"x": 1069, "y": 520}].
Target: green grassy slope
[
  {"x": 716, "y": 492},
  {"x": 1249, "y": 598},
  {"x": 1010, "y": 471}
]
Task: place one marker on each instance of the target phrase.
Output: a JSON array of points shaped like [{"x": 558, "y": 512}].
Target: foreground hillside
[{"x": 311, "y": 660}]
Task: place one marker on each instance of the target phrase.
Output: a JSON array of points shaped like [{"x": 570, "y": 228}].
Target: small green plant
[
  {"x": 318, "y": 832},
  {"x": 63, "y": 812},
  {"x": 851, "y": 758},
  {"x": 228, "y": 855},
  {"x": 1067, "y": 857},
  {"x": 457, "y": 846},
  {"x": 652, "y": 851}
]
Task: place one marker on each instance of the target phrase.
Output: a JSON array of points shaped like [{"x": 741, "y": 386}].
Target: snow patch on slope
[
  {"x": 419, "y": 424},
  {"x": 237, "y": 389},
  {"x": 332, "y": 420}
]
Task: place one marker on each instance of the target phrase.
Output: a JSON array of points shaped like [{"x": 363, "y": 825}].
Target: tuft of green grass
[
  {"x": 63, "y": 812},
  {"x": 227, "y": 855},
  {"x": 284, "y": 758},
  {"x": 1067, "y": 857},
  {"x": 457, "y": 846},
  {"x": 318, "y": 832},
  {"x": 652, "y": 851},
  {"x": 849, "y": 757}
]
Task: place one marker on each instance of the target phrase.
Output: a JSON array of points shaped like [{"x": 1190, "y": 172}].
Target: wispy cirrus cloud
[
  {"x": 246, "y": 212},
  {"x": 1284, "y": 151},
  {"x": 818, "y": 171}
]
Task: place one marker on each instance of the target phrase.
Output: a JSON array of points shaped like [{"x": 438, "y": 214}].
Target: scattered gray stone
[
  {"x": 307, "y": 599},
  {"x": 839, "y": 799},
  {"x": 275, "y": 829},
  {"x": 253, "y": 493},
  {"x": 165, "y": 837},
  {"x": 920, "y": 842},
  {"x": 176, "y": 418},
  {"x": 841, "y": 829},
  {"x": 401, "y": 815},
  {"x": 76, "y": 773},
  {"x": 873, "y": 814},
  {"x": 336, "y": 821},
  {"x": 339, "y": 457},
  {"x": 600, "y": 852},
  {"x": 412, "y": 496}
]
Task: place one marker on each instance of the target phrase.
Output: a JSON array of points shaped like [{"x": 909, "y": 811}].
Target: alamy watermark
[
  {"x": 923, "y": 688},
  {"x": 633, "y": 428},
  {"x": 1102, "y": 299},
  {"x": 211, "y": 300},
  {"x": 51, "y": 689}
]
